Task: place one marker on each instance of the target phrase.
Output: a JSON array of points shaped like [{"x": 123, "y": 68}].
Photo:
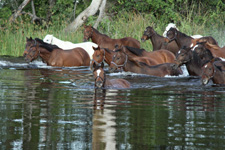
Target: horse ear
[
  {"x": 95, "y": 48},
  {"x": 102, "y": 65}
]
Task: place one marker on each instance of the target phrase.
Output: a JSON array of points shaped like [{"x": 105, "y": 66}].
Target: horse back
[
  {"x": 131, "y": 42},
  {"x": 117, "y": 83}
]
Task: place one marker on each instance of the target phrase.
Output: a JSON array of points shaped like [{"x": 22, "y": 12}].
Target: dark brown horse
[
  {"x": 158, "y": 41},
  {"x": 181, "y": 39},
  {"x": 102, "y": 82},
  {"x": 213, "y": 71},
  {"x": 121, "y": 59},
  {"x": 191, "y": 60},
  {"x": 58, "y": 57},
  {"x": 105, "y": 41}
]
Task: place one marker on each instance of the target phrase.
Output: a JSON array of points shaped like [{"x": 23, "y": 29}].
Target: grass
[{"x": 13, "y": 38}]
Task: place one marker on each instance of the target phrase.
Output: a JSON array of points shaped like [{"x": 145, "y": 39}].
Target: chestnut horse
[
  {"x": 101, "y": 54},
  {"x": 102, "y": 82},
  {"x": 121, "y": 59},
  {"x": 181, "y": 39},
  {"x": 58, "y": 57},
  {"x": 213, "y": 71},
  {"x": 158, "y": 41},
  {"x": 160, "y": 56},
  {"x": 208, "y": 39},
  {"x": 105, "y": 41}
]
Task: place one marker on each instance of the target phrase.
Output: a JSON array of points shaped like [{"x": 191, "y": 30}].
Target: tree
[{"x": 90, "y": 11}]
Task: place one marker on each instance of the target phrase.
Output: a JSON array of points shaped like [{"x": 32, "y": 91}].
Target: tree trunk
[
  {"x": 101, "y": 13},
  {"x": 82, "y": 17},
  {"x": 17, "y": 13},
  {"x": 49, "y": 12}
]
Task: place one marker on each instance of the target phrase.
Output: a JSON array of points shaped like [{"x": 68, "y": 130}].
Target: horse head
[
  {"x": 183, "y": 56},
  {"x": 48, "y": 38},
  {"x": 207, "y": 72},
  {"x": 99, "y": 75},
  {"x": 30, "y": 42},
  {"x": 32, "y": 53},
  {"x": 119, "y": 60},
  {"x": 98, "y": 56},
  {"x": 88, "y": 30},
  {"x": 149, "y": 31},
  {"x": 171, "y": 34}
]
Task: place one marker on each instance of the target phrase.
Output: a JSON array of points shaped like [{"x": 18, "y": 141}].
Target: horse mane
[
  {"x": 108, "y": 50},
  {"x": 99, "y": 32},
  {"x": 212, "y": 46},
  {"x": 49, "y": 48},
  {"x": 183, "y": 34},
  {"x": 135, "y": 51},
  {"x": 49, "y": 45}
]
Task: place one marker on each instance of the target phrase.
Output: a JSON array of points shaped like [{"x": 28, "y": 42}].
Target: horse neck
[
  {"x": 44, "y": 54},
  {"x": 97, "y": 37},
  {"x": 108, "y": 57},
  {"x": 133, "y": 67},
  {"x": 155, "y": 38},
  {"x": 194, "y": 65},
  {"x": 218, "y": 76},
  {"x": 183, "y": 40}
]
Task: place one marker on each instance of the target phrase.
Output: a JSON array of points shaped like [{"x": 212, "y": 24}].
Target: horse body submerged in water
[
  {"x": 121, "y": 59},
  {"x": 66, "y": 45},
  {"x": 102, "y": 82},
  {"x": 214, "y": 71},
  {"x": 57, "y": 56},
  {"x": 105, "y": 41},
  {"x": 158, "y": 41}
]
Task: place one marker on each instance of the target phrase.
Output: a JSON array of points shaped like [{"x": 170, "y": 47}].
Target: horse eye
[{"x": 118, "y": 58}]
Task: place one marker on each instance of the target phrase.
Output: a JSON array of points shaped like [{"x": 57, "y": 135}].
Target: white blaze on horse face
[
  {"x": 206, "y": 66},
  {"x": 98, "y": 72},
  {"x": 179, "y": 52}
]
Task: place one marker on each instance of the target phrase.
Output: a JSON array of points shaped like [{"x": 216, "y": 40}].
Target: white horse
[
  {"x": 66, "y": 45},
  {"x": 172, "y": 25}
]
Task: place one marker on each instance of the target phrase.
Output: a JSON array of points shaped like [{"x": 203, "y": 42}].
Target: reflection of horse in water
[{"x": 103, "y": 130}]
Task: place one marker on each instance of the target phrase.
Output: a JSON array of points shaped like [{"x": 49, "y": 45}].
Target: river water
[{"x": 46, "y": 107}]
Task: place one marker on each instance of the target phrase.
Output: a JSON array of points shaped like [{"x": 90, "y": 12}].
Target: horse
[
  {"x": 213, "y": 71},
  {"x": 160, "y": 56},
  {"x": 208, "y": 39},
  {"x": 66, "y": 45},
  {"x": 158, "y": 41},
  {"x": 121, "y": 59},
  {"x": 58, "y": 57},
  {"x": 181, "y": 39},
  {"x": 105, "y": 41},
  {"x": 215, "y": 49},
  {"x": 191, "y": 60},
  {"x": 30, "y": 42},
  {"x": 102, "y": 82},
  {"x": 172, "y": 25}
]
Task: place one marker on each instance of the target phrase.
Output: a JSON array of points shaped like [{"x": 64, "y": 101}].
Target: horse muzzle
[
  {"x": 205, "y": 81},
  {"x": 99, "y": 84}
]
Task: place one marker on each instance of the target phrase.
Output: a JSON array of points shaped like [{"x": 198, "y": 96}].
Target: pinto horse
[
  {"x": 58, "y": 57},
  {"x": 102, "y": 82},
  {"x": 158, "y": 41},
  {"x": 105, "y": 41},
  {"x": 213, "y": 71},
  {"x": 66, "y": 45},
  {"x": 121, "y": 59}
]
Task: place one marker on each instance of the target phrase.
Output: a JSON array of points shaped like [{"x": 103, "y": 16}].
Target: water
[{"x": 46, "y": 107}]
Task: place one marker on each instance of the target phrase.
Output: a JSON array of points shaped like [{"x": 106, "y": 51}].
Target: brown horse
[
  {"x": 160, "y": 56},
  {"x": 121, "y": 59},
  {"x": 105, "y": 41},
  {"x": 181, "y": 39},
  {"x": 191, "y": 60},
  {"x": 58, "y": 57},
  {"x": 213, "y": 71},
  {"x": 102, "y": 82},
  {"x": 208, "y": 39},
  {"x": 215, "y": 49},
  {"x": 30, "y": 42},
  {"x": 158, "y": 41}
]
